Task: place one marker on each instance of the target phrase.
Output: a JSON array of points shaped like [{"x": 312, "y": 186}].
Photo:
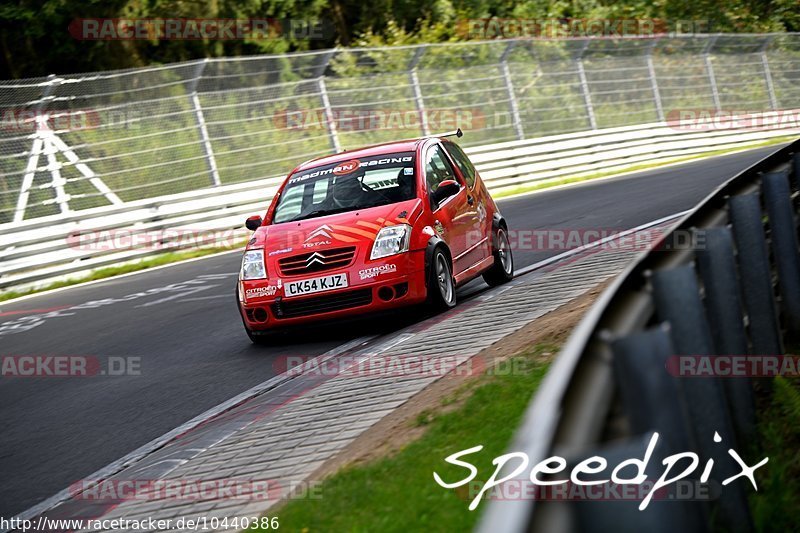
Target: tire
[
  {"x": 441, "y": 285},
  {"x": 502, "y": 270},
  {"x": 258, "y": 340}
]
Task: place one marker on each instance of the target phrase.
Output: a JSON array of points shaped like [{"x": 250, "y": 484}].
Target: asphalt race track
[{"x": 192, "y": 349}]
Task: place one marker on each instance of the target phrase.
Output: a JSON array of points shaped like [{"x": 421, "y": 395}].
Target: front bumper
[{"x": 264, "y": 306}]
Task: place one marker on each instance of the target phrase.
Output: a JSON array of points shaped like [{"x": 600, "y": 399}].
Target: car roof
[{"x": 408, "y": 145}]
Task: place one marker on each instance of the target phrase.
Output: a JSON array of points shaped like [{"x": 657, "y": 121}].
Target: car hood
[{"x": 356, "y": 227}]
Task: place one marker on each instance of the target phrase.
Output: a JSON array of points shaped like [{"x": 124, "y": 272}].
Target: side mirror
[
  {"x": 446, "y": 189},
  {"x": 253, "y": 223}
]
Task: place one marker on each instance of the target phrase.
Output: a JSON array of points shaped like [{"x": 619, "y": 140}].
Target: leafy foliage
[{"x": 35, "y": 41}]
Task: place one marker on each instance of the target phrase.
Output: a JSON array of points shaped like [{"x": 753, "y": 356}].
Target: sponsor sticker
[
  {"x": 369, "y": 273},
  {"x": 281, "y": 251},
  {"x": 347, "y": 167},
  {"x": 261, "y": 292}
]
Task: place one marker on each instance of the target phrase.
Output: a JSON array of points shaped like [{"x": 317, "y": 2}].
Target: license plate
[{"x": 312, "y": 285}]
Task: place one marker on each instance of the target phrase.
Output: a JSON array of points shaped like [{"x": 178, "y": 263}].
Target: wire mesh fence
[{"x": 75, "y": 142}]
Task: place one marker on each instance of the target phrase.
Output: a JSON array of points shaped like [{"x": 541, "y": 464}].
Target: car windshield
[{"x": 347, "y": 186}]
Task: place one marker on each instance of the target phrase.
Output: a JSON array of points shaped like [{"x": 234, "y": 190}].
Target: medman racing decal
[
  {"x": 369, "y": 273},
  {"x": 348, "y": 167}
]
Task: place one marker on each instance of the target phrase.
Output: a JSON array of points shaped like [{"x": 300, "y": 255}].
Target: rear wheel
[
  {"x": 503, "y": 268},
  {"x": 441, "y": 285}
]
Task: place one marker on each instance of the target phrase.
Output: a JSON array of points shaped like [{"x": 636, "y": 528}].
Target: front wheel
[
  {"x": 503, "y": 268},
  {"x": 261, "y": 340},
  {"x": 441, "y": 285}
]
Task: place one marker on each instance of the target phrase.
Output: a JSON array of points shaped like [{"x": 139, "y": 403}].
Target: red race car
[{"x": 368, "y": 230}]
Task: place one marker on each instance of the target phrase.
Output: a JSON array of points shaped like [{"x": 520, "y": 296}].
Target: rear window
[{"x": 347, "y": 186}]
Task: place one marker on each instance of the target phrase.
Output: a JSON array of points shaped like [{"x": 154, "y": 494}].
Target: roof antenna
[{"x": 458, "y": 133}]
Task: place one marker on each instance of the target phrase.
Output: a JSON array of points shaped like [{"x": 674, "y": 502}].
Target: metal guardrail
[
  {"x": 609, "y": 388},
  {"x": 48, "y": 248},
  {"x": 77, "y": 142}
]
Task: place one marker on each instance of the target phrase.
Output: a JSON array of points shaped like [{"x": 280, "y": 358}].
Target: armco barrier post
[
  {"x": 211, "y": 161},
  {"x": 326, "y": 103},
  {"x": 717, "y": 267},
  {"x": 773, "y": 100},
  {"x": 584, "y": 82},
  {"x": 651, "y": 70},
  {"x": 677, "y": 301},
  {"x": 414, "y": 79},
  {"x": 712, "y": 79},
  {"x": 512, "y": 98},
  {"x": 783, "y": 237},
  {"x": 645, "y": 391},
  {"x": 755, "y": 273}
]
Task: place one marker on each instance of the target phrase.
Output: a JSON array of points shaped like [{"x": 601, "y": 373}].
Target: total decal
[
  {"x": 263, "y": 292},
  {"x": 369, "y": 273}
]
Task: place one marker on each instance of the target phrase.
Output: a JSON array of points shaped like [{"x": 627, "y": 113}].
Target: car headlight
[
  {"x": 391, "y": 240},
  {"x": 253, "y": 266}
]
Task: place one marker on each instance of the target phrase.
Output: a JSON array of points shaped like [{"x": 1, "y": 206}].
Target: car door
[
  {"x": 479, "y": 233},
  {"x": 452, "y": 217}
]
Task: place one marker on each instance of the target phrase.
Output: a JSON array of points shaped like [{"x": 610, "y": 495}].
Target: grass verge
[
  {"x": 102, "y": 273},
  {"x": 635, "y": 168},
  {"x": 776, "y": 505},
  {"x": 397, "y": 492}
]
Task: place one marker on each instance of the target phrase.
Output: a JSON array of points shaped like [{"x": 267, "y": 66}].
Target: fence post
[
  {"x": 200, "y": 118},
  {"x": 36, "y": 150},
  {"x": 654, "y": 81},
  {"x": 587, "y": 98},
  {"x": 512, "y": 99},
  {"x": 712, "y": 80},
  {"x": 326, "y": 103},
  {"x": 773, "y": 100},
  {"x": 412, "y": 74}
]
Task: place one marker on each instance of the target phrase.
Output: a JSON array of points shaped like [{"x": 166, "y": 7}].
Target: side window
[
  {"x": 462, "y": 161},
  {"x": 437, "y": 168}
]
